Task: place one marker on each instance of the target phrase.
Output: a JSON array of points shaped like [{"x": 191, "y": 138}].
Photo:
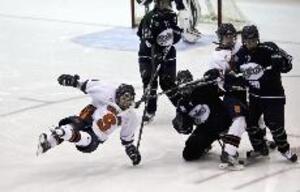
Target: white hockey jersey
[
  {"x": 221, "y": 60},
  {"x": 108, "y": 116}
]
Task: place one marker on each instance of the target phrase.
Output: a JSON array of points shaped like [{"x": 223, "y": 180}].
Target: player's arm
[
  {"x": 129, "y": 123},
  {"x": 280, "y": 59},
  {"x": 72, "y": 81},
  {"x": 86, "y": 86},
  {"x": 182, "y": 122}
]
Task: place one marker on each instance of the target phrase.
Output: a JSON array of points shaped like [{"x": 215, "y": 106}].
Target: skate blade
[{"x": 238, "y": 167}]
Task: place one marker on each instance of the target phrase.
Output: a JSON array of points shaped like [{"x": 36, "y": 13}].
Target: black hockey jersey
[
  {"x": 204, "y": 106},
  {"x": 262, "y": 68},
  {"x": 159, "y": 27}
]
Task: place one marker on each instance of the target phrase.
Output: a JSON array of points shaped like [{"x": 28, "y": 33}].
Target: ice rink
[{"x": 39, "y": 41}]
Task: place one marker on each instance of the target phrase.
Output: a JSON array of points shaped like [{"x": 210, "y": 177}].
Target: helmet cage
[
  {"x": 125, "y": 96},
  {"x": 226, "y": 29}
]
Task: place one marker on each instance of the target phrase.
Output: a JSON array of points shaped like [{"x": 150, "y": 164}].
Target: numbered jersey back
[{"x": 105, "y": 121}]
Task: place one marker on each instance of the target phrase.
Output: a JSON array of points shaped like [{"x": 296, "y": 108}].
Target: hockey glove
[
  {"x": 133, "y": 153},
  {"x": 68, "y": 80},
  {"x": 212, "y": 74},
  {"x": 281, "y": 63},
  {"x": 182, "y": 123},
  {"x": 234, "y": 82}
]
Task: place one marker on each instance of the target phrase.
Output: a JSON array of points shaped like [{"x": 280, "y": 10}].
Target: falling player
[{"x": 109, "y": 109}]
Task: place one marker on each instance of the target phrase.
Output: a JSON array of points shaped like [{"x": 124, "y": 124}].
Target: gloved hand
[
  {"x": 133, "y": 153},
  {"x": 68, "y": 80},
  {"x": 182, "y": 123},
  {"x": 280, "y": 63},
  {"x": 212, "y": 74}
]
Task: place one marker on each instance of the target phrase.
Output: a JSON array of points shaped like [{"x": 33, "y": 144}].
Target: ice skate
[
  {"x": 289, "y": 155},
  {"x": 195, "y": 32},
  {"x": 206, "y": 150},
  {"x": 253, "y": 157},
  {"x": 191, "y": 36},
  {"x": 263, "y": 151},
  {"x": 48, "y": 141},
  {"x": 231, "y": 162},
  {"x": 271, "y": 144},
  {"x": 148, "y": 117}
]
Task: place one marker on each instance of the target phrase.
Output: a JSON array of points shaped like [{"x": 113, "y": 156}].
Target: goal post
[{"x": 212, "y": 11}]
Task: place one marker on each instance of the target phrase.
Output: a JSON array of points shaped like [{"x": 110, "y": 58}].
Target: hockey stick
[
  {"x": 147, "y": 91},
  {"x": 196, "y": 83}
]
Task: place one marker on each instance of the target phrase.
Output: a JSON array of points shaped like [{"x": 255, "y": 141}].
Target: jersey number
[{"x": 106, "y": 122}]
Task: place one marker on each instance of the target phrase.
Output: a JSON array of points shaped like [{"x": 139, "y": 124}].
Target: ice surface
[{"x": 36, "y": 47}]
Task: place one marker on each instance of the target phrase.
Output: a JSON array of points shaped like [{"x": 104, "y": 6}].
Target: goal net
[{"x": 212, "y": 11}]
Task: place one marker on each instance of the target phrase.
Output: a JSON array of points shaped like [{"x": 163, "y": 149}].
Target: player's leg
[
  {"x": 72, "y": 130},
  {"x": 274, "y": 118},
  {"x": 198, "y": 143},
  {"x": 167, "y": 76},
  {"x": 146, "y": 70},
  {"x": 256, "y": 135},
  {"x": 262, "y": 125},
  {"x": 237, "y": 112}
]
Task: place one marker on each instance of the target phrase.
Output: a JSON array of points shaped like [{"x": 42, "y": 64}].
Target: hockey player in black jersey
[
  {"x": 261, "y": 65},
  {"x": 158, "y": 32},
  {"x": 189, "y": 13},
  {"x": 202, "y": 108}
]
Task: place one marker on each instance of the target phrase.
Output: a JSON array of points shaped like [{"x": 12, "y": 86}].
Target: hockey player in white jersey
[
  {"x": 235, "y": 92},
  {"x": 110, "y": 108}
]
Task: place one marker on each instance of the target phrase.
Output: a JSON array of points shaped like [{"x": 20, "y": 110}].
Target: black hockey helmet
[
  {"x": 225, "y": 29},
  {"x": 250, "y": 32},
  {"x": 184, "y": 76},
  {"x": 125, "y": 96}
]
